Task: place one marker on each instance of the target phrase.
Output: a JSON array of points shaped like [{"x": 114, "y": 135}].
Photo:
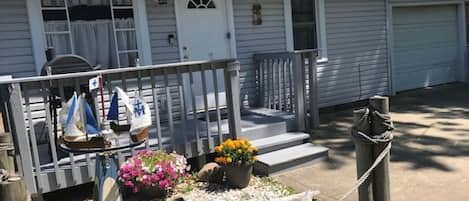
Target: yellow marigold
[
  {"x": 254, "y": 158},
  {"x": 240, "y": 151},
  {"x": 229, "y": 160},
  {"x": 220, "y": 160},
  {"x": 250, "y": 150},
  {"x": 218, "y": 149},
  {"x": 255, "y": 149},
  {"x": 231, "y": 145}
]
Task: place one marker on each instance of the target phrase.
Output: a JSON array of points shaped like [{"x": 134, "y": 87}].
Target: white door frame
[
  {"x": 230, "y": 22},
  {"x": 38, "y": 37},
  {"x": 463, "y": 69}
]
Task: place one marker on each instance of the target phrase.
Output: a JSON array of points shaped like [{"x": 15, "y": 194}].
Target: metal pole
[
  {"x": 364, "y": 156},
  {"x": 381, "y": 181}
]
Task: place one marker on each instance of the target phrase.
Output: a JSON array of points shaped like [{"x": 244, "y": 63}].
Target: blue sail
[
  {"x": 113, "y": 113},
  {"x": 91, "y": 122}
]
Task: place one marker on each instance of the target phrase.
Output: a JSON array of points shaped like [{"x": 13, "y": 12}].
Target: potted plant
[
  {"x": 237, "y": 158},
  {"x": 152, "y": 174}
]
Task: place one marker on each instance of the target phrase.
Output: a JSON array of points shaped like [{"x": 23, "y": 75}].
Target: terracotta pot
[{"x": 238, "y": 176}]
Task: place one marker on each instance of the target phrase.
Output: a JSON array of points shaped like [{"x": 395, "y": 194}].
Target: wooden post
[
  {"x": 381, "y": 181},
  {"x": 313, "y": 91},
  {"x": 13, "y": 189},
  {"x": 17, "y": 119},
  {"x": 364, "y": 156},
  {"x": 233, "y": 98},
  {"x": 299, "y": 88}
]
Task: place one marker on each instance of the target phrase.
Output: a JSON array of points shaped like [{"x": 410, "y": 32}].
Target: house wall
[
  {"x": 162, "y": 22},
  {"x": 251, "y": 39},
  {"x": 356, "y": 42},
  {"x": 421, "y": 1},
  {"x": 16, "y": 54}
]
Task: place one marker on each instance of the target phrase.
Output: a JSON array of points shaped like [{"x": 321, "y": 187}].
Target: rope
[
  {"x": 383, "y": 138},
  {"x": 365, "y": 175}
]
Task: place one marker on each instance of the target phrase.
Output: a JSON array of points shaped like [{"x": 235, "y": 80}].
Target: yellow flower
[
  {"x": 240, "y": 151},
  {"x": 229, "y": 160},
  {"x": 254, "y": 158},
  {"x": 255, "y": 149},
  {"x": 218, "y": 149},
  {"x": 220, "y": 160}
]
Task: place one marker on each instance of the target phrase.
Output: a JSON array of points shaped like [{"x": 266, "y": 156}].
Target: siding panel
[
  {"x": 251, "y": 39},
  {"x": 162, "y": 22},
  {"x": 16, "y": 56},
  {"x": 356, "y": 36}
]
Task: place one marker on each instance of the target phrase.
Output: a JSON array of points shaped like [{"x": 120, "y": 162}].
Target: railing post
[
  {"x": 313, "y": 91},
  {"x": 233, "y": 98},
  {"x": 299, "y": 88},
  {"x": 19, "y": 131}
]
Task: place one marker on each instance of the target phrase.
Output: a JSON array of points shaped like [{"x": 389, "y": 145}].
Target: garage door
[{"x": 425, "y": 46}]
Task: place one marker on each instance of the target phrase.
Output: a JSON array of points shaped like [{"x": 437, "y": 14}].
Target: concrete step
[
  {"x": 281, "y": 141},
  {"x": 276, "y": 161}
]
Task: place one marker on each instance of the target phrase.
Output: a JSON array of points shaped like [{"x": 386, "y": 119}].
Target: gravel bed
[{"x": 259, "y": 189}]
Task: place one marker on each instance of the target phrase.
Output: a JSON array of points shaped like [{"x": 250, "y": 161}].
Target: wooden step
[
  {"x": 283, "y": 159},
  {"x": 281, "y": 141}
]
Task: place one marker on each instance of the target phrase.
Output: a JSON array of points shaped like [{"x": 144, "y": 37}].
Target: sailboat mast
[{"x": 83, "y": 114}]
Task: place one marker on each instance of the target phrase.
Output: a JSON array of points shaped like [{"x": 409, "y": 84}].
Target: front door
[{"x": 204, "y": 35}]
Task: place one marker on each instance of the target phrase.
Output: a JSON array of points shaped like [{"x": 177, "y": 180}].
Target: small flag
[{"x": 94, "y": 83}]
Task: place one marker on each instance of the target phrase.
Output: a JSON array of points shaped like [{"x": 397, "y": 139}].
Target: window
[
  {"x": 304, "y": 24},
  {"x": 201, "y": 4},
  {"x": 102, "y": 31}
]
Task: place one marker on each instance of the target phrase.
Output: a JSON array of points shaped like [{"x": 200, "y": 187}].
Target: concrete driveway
[{"x": 430, "y": 154}]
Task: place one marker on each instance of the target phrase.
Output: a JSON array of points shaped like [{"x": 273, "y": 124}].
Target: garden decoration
[
  {"x": 152, "y": 174},
  {"x": 83, "y": 135},
  {"x": 372, "y": 134},
  {"x": 237, "y": 158}
]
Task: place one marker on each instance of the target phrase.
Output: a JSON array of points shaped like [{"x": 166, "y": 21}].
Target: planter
[
  {"x": 145, "y": 194},
  {"x": 238, "y": 176}
]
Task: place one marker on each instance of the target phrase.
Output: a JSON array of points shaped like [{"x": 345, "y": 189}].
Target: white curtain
[
  {"x": 94, "y": 40},
  {"x": 56, "y": 3}
]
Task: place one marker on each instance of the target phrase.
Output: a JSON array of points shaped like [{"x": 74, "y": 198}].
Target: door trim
[
  {"x": 463, "y": 68},
  {"x": 230, "y": 23}
]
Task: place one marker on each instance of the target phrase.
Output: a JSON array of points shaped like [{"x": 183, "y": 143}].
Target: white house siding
[
  {"x": 356, "y": 39},
  {"x": 251, "y": 39},
  {"x": 162, "y": 22},
  {"x": 421, "y": 1},
  {"x": 16, "y": 56}
]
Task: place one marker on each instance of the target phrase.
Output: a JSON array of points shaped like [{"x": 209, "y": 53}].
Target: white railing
[
  {"x": 287, "y": 81},
  {"x": 188, "y": 106}
]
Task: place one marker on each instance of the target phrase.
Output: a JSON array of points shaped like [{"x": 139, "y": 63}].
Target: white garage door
[{"x": 425, "y": 46}]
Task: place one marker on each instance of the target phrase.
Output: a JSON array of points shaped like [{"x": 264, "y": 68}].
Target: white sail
[
  {"x": 70, "y": 118},
  {"x": 138, "y": 111},
  {"x": 141, "y": 116}
]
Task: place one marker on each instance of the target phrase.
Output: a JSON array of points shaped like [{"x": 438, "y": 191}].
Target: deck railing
[
  {"x": 194, "y": 105},
  {"x": 287, "y": 81}
]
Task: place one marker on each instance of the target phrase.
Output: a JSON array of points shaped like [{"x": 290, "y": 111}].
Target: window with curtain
[
  {"x": 304, "y": 24},
  {"x": 102, "y": 31}
]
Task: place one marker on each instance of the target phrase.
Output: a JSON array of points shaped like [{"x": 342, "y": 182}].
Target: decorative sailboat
[
  {"x": 138, "y": 114},
  {"x": 80, "y": 128}
]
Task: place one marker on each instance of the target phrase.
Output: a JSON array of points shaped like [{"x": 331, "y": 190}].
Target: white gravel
[{"x": 258, "y": 189}]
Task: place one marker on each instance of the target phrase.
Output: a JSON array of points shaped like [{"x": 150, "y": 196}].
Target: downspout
[{"x": 388, "y": 13}]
